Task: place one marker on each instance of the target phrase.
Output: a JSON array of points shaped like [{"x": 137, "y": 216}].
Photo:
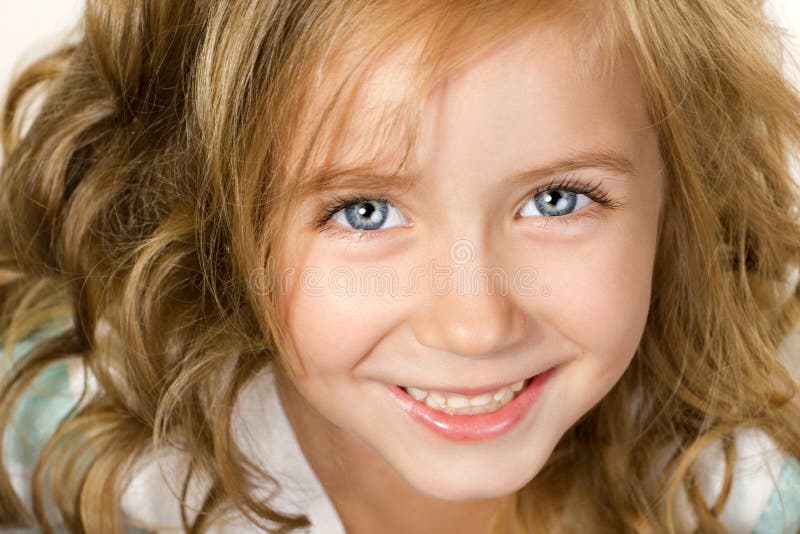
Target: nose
[{"x": 473, "y": 315}]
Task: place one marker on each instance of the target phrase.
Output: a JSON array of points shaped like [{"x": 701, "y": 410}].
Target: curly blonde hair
[{"x": 146, "y": 177}]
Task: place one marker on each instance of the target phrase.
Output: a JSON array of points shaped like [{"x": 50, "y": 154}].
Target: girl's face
[{"x": 526, "y": 244}]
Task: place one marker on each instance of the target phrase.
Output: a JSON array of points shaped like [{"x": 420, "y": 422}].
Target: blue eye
[
  {"x": 366, "y": 214},
  {"x": 563, "y": 200},
  {"x": 554, "y": 202}
]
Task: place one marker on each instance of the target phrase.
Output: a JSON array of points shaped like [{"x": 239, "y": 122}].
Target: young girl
[{"x": 416, "y": 267}]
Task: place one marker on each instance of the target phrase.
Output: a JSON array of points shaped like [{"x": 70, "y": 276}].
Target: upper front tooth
[
  {"x": 457, "y": 401},
  {"x": 516, "y": 386},
  {"x": 481, "y": 400},
  {"x": 429, "y": 400}
]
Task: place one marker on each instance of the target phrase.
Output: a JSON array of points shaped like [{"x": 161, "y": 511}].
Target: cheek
[
  {"x": 599, "y": 300},
  {"x": 332, "y": 324},
  {"x": 600, "y": 297}
]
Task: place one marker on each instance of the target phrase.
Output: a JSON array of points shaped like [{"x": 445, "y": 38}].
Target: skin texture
[{"x": 517, "y": 106}]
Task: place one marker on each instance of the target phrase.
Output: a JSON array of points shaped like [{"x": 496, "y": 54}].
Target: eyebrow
[
  {"x": 362, "y": 177},
  {"x": 606, "y": 160}
]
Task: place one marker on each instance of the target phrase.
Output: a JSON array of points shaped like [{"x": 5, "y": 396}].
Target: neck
[{"x": 368, "y": 494}]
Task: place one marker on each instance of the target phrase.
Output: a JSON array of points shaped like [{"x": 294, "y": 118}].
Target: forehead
[{"x": 555, "y": 82}]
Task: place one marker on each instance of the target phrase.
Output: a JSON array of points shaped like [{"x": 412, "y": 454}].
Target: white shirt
[{"x": 264, "y": 433}]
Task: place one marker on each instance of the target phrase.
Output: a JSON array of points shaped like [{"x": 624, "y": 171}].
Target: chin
[{"x": 470, "y": 482}]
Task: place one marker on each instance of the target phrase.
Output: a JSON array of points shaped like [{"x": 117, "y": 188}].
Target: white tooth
[
  {"x": 430, "y": 401},
  {"x": 438, "y": 398},
  {"x": 418, "y": 394},
  {"x": 517, "y": 385},
  {"x": 457, "y": 401},
  {"x": 481, "y": 400},
  {"x": 498, "y": 395}
]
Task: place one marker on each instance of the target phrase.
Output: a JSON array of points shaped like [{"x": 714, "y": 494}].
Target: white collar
[{"x": 265, "y": 435}]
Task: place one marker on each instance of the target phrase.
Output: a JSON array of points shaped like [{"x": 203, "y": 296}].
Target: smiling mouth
[
  {"x": 456, "y": 403},
  {"x": 471, "y": 423}
]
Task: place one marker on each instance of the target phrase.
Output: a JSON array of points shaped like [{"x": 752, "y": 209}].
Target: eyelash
[{"x": 567, "y": 183}]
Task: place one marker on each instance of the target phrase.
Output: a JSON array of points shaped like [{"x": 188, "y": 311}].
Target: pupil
[
  {"x": 554, "y": 201},
  {"x": 366, "y": 209},
  {"x": 367, "y": 215}
]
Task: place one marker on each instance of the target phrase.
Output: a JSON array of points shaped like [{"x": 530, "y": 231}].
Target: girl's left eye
[
  {"x": 563, "y": 199},
  {"x": 553, "y": 203}
]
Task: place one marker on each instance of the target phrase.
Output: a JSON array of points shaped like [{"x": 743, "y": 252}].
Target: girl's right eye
[{"x": 361, "y": 214}]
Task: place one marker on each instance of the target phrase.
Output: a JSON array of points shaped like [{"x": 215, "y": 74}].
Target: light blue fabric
[
  {"x": 37, "y": 415},
  {"x": 38, "y": 412},
  {"x": 40, "y": 409},
  {"x": 782, "y": 513}
]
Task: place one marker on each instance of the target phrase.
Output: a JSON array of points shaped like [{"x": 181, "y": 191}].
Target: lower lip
[{"x": 473, "y": 427}]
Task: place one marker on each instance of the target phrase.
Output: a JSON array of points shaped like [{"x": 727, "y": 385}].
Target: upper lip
[{"x": 471, "y": 391}]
